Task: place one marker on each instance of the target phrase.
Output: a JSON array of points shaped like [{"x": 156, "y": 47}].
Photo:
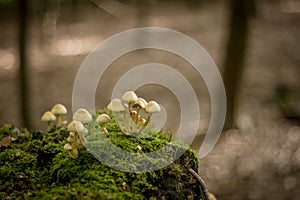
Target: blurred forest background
[{"x": 255, "y": 44}]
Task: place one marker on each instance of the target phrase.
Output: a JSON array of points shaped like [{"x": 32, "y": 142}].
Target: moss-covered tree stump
[{"x": 34, "y": 165}]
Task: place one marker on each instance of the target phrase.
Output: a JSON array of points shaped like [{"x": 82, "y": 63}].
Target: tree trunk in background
[
  {"x": 241, "y": 12},
  {"x": 143, "y": 12},
  {"x": 23, "y": 84}
]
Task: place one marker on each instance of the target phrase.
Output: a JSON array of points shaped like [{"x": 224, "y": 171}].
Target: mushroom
[
  {"x": 150, "y": 108},
  {"x": 139, "y": 148},
  {"x": 102, "y": 120},
  {"x": 116, "y": 106},
  {"x": 141, "y": 121},
  {"x": 48, "y": 117},
  {"x": 139, "y": 104},
  {"x": 133, "y": 114},
  {"x": 71, "y": 137},
  {"x": 68, "y": 147},
  {"x": 73, "y": 142},
  {"x": 58, "y": 110},
  {"x": 73, "y": 125},
  {"x": 129, "y": 97},
  {"x": 77, "y": 128},
  {"x": 73, "y": 153},
  {"x": 82, "y": 131},
  {"x": 82, "y": 115}
]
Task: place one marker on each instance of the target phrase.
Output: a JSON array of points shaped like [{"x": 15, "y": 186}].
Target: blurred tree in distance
[
  {"x": 241, "y": 12},
  {"x": 23, "y": 74}
]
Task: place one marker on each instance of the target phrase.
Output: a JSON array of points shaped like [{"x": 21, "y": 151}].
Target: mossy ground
[{"x": 35, "y": 166}]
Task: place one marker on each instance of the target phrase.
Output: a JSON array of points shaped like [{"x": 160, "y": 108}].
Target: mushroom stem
[
  {"x": 83, "y": 140},
  {"x": 126, "y": 119},
  {"x": 119, "y": 124},
  {"x": 132, "y": 125},
  {"x": 136, "y": 120},
  {"x": 129, "y": 109},
  {"x": 75, "y": 139},
  {"x": 131, "y": 119},
  {"x": 105, "y": 130},
  {"x": 58, "y": 121},
  {"x": 145, "y": 124},
  {"x": 74, "y": 152},
  {"x": 48, "y": 126}
]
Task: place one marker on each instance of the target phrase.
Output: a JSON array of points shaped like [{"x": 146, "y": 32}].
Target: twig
[{"x": 202, "y": 183}]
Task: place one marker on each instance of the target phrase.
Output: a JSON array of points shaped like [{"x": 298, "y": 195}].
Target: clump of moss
[{"x": 35, "y": 166}]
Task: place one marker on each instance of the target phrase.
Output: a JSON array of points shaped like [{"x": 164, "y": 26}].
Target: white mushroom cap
[
  {"x": 103, "y": 118},
  {"x": 80, "y": 128},
  {"x": 116, "y": 105},
  {"x": 82, "y": 115},
  {"x": 152, "y": 107},
  {"x": 75, "y": 126},
  {"x": 59, "y": 109},
  {"x": 48, "y": 116},
  {"x": 71, "y": 127},
  {"x": 68, "y": 147},
  {"x": 71, "y": 138},
  {"x": 133, "y": 114},
  {"x": 139, "y": 148},
  {"x": 140, "y": 102},
  {"x": 84, "y": 131},
  {"x": 129, "y": 97},
  {"x": 141, "y": 121}
]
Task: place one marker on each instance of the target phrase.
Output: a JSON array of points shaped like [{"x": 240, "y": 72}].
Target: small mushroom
[
  {"x": 129, "y": 97},
  {"x": 73, "y": 153},
  {"x": 77, "y": 127},
  {"x": 141, "y": 121},
  {"x": 82, "y": 131},
  {"x": 71, "y": 137},
  {"x": 102, "y": 120},
  {"x": 150, "y": 108},
  {"x": 133, "y": 114},
  {"x": 74, "y": 125},
  {"x": 139, "y": 104},
  {"x": 117, "y": 107},
  {"x": 48, "y": 117},
  {"x": 139, "y": 148},
  {"x": 125, "y": 186},
  {"x": 82, "y": 115},
  {"x": 68, "y": 147},
  {"x": 58, "y": 110}
]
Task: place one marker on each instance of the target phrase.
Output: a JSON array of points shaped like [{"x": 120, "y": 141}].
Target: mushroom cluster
[
  {"x": 132, "y": 113},
  {"x": 77, "y": 130},
  {"x": 55, "y": 115}
]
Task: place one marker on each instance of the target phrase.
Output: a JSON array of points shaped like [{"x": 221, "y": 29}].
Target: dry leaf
[{"x": 5, "y": 141}]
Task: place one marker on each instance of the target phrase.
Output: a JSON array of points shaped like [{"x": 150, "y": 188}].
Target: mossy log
[{"x": 34, "y": 165}]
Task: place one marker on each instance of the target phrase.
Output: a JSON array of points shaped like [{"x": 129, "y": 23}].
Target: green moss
[{"x": 35, "y": 166}]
